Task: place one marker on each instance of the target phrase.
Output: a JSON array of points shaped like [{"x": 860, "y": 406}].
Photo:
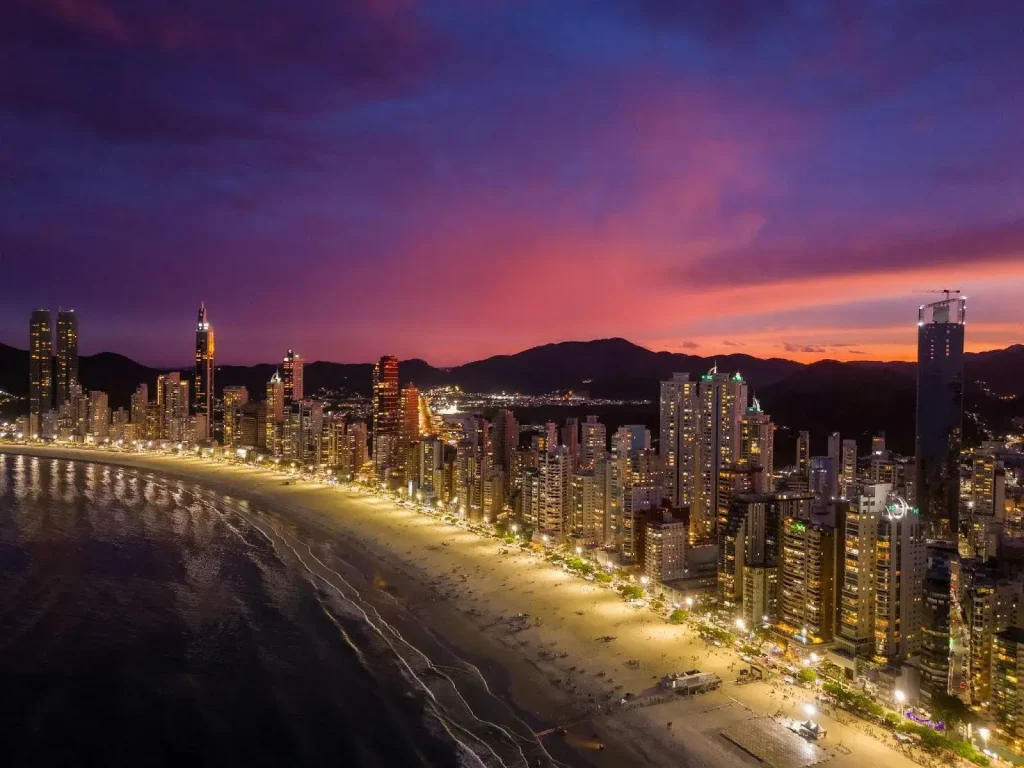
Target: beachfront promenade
[{"x": 489, "y": 583}]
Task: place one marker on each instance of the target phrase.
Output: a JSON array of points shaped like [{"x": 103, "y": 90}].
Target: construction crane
[{"x": 946, "y": 291}]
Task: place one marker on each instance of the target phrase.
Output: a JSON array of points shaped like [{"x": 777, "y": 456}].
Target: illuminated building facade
[
  {"x": 803, "y": 462},
  {"x": 1007, "y": 676},
  {"x": 203, "y": 382},
  {"x": 40, "y": 369},
  {"x": 679, "y": 426},
  {"x": 235, "y": 398},
  {"x": 757, "y": 447},
  {"x": 900, "y": 565},
  {"x": 99, "y": 416},
  {"x": 665, "y": 540},
  {"x": 593, "y": 442},
  {"x": 587, "y": 505},
  {"x": 275, "y": 414},
  {"x": 858, "y": 531},
  {"x": 293, "y": 367},
  {"x": 807, "y": 571},
  {"x": 386, "y": 415},
  {"x": 67, "y": 353},
  {"x": 723, "y": 400}
]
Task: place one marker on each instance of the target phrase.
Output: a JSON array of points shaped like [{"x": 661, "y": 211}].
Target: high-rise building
[
  {"x": 723, "y": 401},
  {"x": 386, "y": 415},
  {"x": 593, "y": 442},
  {"x": 275, "y": 414},
  {"x": 940, "y": 373},
  {"x": 139, "y": 402},
  {"x": 942, "y": 563},
  {"x": 40, "y": 369},
  {"x": 803, "y": 462},
  {"x": 757, "y": 447},
  {"x": 67, "y": 353},
  {"x": 665, "y": 540},
  {"x": 900, "y": 563},
  {"x": 175, "y": 407},
  {"x": 848, "y": 468},
  {"x": 587, "y": 507},
  {"x": 1007, "y": 683},
  {"x": 549, "y": 497},
  {"x": 571, "y": 438},
  {"x": 858, "y": 532},
  {"x": 293, "y": 377},
  {"x": 99, "y": 416},
  {"x": 235, "y": 398},
  {"x": 431, "y": 480},
  {"x": 356, "y": 433},
  {"x": 990, "y": 607},
  {"x": 986, "y": 506},
  {"x": 408, "y": 426},
  {"x": 506, "y": 439},
  {"x": 677, "y": 438},
  {"x": 807, "y": 581},
  {"x": 203, "y": 384},
  {"x": 823, "y": 477},
  {"x": 878, "y": 444}
]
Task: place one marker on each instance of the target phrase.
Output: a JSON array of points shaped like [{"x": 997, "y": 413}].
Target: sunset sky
[{"x": 452, "y": 180}]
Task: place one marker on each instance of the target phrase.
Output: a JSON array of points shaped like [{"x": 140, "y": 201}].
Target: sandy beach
[{"x": 554, "y": 665}]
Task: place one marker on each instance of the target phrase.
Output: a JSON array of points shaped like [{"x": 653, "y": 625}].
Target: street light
[
  {"x": 644, "y": 580},
  {"x": 515, "y": 528},
  {"x": 741, "y": 625},
  {"x": 809, "y": 711},
  {"x": 689, "y": 602},
  {"x": 579, "y": 550},
  {"x": 984, "y": 733}
]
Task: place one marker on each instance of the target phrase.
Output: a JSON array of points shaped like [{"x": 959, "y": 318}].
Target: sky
[{"x": 453, "y": 180}]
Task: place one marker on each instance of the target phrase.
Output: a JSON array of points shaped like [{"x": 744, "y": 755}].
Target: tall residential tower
[
  {"x": 940, "y": 386},
  {"x": 203, "y": 385},
  {"x": 67, "y": 353},
  {"x": 40, "y": 369}
]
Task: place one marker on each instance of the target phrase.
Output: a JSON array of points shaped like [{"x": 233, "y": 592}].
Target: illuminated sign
[{"x": 898, "y": 508}]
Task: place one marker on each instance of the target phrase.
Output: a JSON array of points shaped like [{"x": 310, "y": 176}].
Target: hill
[{"x": 855, "y": 398}]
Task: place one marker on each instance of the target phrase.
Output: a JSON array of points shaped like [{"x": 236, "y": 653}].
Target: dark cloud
[
  {"x": 733, "y": 344},
  {"x": 810, "y": 349},
  {"x": 765, "y": 263},
  {"x": 210, "y": 70}
]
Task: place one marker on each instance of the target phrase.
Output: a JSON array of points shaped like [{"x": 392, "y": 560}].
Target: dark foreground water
[{"x": 146, "y": 621}]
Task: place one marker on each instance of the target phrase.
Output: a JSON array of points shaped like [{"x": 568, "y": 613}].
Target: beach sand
[{"x": 466, "y": 588}]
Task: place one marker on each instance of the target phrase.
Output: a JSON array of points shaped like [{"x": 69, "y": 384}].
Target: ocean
[{"x": 147, "y": 621}]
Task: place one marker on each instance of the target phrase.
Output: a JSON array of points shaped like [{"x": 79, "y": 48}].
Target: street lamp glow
[
  {"x": 900, "y": 697},
  {"x": 809, "y": 710},
  {"x": 515, "y": 528},
  {"x": 984, "y": 733},
  {"x": 741, "y": 625},
  {"x": 644, "y": 580},
  {"x": 689, "y": 602},
  {"x": 814, "y": 658},
  {"x": 579, "y": 550}
]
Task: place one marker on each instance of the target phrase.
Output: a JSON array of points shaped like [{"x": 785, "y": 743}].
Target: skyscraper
[
  {"x": 940, "y": 373},
  {"x": 506, "y": 438},
  {"x": 293, "y": 373},
  {"x": 803, "y": 462},
  {"x": 67, "y": 353},
  {"x": 275, "y": 413},
  {"x": 234, "y": 399},
  {"x": 408, "y": 429},
  {"x": 40, "y": 369},
  {"x": 677, "y": 438},
  {"x": 593, "y": 442},
  {"x": 386, "y": 415},
  {"x": 723, "y": 400},
  {"x": 203, "y": 399},
  {"x": 847, "y": 468},
  {"x": 757, "y": 447}
]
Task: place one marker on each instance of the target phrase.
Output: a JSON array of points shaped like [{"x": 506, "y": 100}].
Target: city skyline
[{"x": 762, "y": 179}]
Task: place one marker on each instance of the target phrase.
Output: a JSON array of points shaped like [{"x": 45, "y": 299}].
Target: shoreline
[{"x": 475, "y": 588}]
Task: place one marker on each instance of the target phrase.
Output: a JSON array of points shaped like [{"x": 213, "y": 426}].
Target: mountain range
[{"x": 857, "y": 398}]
